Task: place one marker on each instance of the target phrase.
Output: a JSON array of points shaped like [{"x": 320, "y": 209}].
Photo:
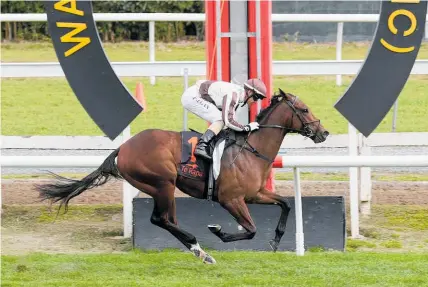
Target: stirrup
[{"x": 202, "y": 153}]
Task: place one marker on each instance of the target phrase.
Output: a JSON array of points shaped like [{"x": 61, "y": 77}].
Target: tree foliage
[{"x": 111, "y": 31}]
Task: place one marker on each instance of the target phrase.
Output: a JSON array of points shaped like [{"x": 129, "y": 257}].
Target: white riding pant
[{"x": 192, "y": 101}]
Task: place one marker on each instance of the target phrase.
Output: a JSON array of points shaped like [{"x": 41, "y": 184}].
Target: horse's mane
[{"x": 273, "y": 102}]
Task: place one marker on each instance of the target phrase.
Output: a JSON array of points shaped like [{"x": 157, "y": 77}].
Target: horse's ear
[{"x": 281, "y": 92}]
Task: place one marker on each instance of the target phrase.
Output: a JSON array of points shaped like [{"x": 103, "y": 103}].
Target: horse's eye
[{"x": 305, "y": 110}]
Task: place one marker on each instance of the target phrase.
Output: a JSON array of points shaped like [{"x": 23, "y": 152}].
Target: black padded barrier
[{"x": 324, "y": 224}]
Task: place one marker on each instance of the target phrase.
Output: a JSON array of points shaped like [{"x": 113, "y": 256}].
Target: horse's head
[{"x": 294, "y": 115}]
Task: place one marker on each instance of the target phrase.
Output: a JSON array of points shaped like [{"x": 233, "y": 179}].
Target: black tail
[{"x": 65, "y": 189}]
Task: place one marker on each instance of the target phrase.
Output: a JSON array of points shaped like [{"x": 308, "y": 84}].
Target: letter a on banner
[{"x": 86, "y": 67}]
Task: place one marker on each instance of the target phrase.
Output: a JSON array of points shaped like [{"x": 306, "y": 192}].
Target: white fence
[
  {"x": 294, "y": 162},
  {"x": 402, "y": 139},
  {"x": 197, "y": 68},
  {"x": 340, "y": 19}
]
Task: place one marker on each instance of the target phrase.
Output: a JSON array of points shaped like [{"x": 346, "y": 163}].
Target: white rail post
[
  {"x": 126, "y": 195},
  {"x": 129, "y": 192},
  {"x": 339, "y": 44},
  {"x": 186, "y": 85},
  {"x": 300, "y": 238},
  {"x": 365, "y": 185},
  {"x": 426, "y": 30},
  {"x": 353, "y": 183},
  {"x": 152, "y": 48},
  {"x": 394, "y": 116}
]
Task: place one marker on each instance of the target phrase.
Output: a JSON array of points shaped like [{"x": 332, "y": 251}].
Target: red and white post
[{"x": 240, "y": 45}]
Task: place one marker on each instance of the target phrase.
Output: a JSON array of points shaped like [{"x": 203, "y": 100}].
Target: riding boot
[{"x": 203, "y": 149}]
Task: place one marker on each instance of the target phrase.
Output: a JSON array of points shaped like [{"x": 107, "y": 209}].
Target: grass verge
[
  {"x": 48, "y": 106},
  {"x": 190, "y": 51},
  {"x": 175, "y": 268}
]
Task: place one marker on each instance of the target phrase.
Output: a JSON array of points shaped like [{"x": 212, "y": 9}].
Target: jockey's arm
[{"x": 230, "y": 102}]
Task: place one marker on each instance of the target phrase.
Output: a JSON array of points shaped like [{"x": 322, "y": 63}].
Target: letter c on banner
[
  {"x": 410, "y": 15},
  {"x": 394, "y": 30}
]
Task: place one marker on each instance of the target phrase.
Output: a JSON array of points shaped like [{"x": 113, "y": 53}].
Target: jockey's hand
[{"x": 251, "y": 127}]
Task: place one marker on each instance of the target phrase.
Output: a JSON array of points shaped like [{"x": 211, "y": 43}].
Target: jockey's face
[{"x": 249, "y": 95}]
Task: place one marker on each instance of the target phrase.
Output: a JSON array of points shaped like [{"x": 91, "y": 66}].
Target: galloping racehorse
[{"x": 150, "y": 161}]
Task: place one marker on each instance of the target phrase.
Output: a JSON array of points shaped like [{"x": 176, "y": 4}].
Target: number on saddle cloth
[
  {"x": 190, "y": 166},
  {"x": 193, "y": 167}
]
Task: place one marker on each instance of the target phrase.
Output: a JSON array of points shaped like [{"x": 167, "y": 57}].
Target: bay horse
[{"x": 149, "y": 162}]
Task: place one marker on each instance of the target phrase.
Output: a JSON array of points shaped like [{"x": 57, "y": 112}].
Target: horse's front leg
[
  {"x": 239, "y": 210},
  {"x": 271, "y": 198}
]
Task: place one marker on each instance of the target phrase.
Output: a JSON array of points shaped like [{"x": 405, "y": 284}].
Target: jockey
[{"x": 217, "y": 102}]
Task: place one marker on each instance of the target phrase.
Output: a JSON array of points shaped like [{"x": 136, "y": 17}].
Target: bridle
[{"x": 306, "y": 130}]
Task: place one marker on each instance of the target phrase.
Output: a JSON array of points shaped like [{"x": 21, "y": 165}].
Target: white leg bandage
[{"x": 193, "y": 102}]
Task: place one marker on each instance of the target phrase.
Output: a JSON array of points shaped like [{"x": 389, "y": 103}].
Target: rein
[
  {"x": 251, "y": 149},
  {"x": 280, "y": 127}
]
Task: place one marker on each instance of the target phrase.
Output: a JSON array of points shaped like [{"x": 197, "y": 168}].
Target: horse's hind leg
[
  {"x": 164, "y": 216},
  {"x": 268, "y": 197},
  {"x": 172, "y": 217},
  {"x": 239, "y": 210}
]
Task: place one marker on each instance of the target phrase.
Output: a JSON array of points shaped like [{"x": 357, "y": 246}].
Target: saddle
[{"x": 201, "y": 170}]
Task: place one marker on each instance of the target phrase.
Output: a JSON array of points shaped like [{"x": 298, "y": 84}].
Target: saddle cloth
[
  {"x": 199, "y": 169},
  {"x": 190, "y": 166},
  {"x": 196, "y": 168}
]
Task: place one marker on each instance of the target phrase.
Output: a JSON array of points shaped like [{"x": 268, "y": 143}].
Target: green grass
[
  {"x": 354, "y": 244},
  {"x": 401, "y": 177},
  {"x": 345, "y": 176},
  {"x": 190, "y": 51},
  {"x": 32, "y": 106},
  {"x": 392, "y": 244},
  {"x": 400, "y": 217},
  {"x": 370, "y": 233},
  {"x": 175, "y": 268},
  {"x": 42, "y": 214},
  {"x": 364, "y": 263},
  {"x": 49, "y": 107}
]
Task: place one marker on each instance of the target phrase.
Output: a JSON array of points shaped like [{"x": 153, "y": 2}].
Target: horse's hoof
[
  {"x": 214, "y": 228},
  {"x": 198, "y": 252},
  {"x": 273, "y": 244},
  {"x": 209, "y": 260}
]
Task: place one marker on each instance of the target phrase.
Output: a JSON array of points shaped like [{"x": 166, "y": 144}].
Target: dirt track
[
  {"x": 17, "y": 192},
  {"x": 22, "y": 233}
]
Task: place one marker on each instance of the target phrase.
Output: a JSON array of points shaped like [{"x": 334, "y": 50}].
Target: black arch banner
[
  {"x": 388, "y": 65},
  {"x": 86, "y": 67}
]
